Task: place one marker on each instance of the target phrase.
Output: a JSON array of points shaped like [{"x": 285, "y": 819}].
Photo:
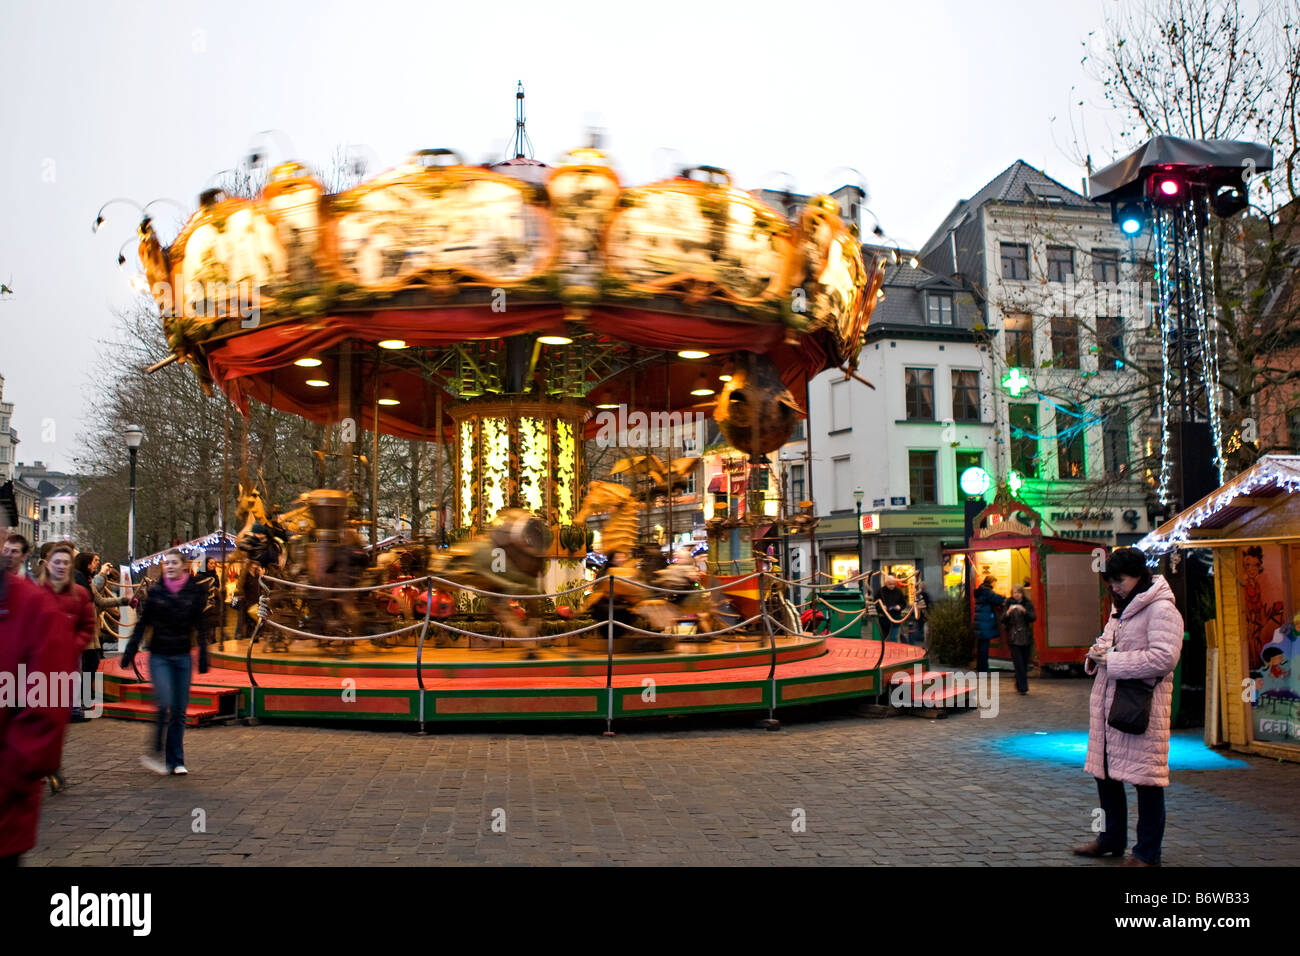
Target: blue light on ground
[{"x": 1187, "y": 750}]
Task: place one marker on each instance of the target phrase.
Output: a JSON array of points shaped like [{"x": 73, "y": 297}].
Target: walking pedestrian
[
  {"x": 922, "y": 603},
  {"x": 174, "y": 610},
  {"x": 891, "y": 600},
  {"x": 987, "y": 602},
  {"x": 74, "y": 603},
  {"x": 14, "y": 556},
  {"x": 210, "y": 582},
  {"x": 1133, "y": 662},
  {"x": 35, "y": 638},
  {"x": 86, "y": 567},
  {"x": 1018, "y": 618}
]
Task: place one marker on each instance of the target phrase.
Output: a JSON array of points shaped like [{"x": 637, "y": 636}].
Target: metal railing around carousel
[{"x": 772, "y": 588}]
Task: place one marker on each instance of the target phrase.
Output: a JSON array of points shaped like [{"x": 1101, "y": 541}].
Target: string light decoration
[
  {"x": 1162, "y": 318},
  {"x": 191, "y": 550},
  {"x": 1272, "y": 472}
]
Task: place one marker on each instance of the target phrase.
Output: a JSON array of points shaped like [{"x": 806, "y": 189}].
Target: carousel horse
[{"x": 507, "y": 558}]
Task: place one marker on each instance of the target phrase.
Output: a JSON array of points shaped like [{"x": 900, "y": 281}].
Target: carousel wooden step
[
  {"x": 221, "y": 702},
  {"x": 142, "y": 710},
  {"x": 925, "y": 696}
]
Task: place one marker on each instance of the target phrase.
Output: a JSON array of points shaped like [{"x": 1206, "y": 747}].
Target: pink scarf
[{"x": 175, "y": 586}]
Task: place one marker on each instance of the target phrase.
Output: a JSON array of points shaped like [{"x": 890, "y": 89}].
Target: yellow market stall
[{"x": 1252, "y": 523}]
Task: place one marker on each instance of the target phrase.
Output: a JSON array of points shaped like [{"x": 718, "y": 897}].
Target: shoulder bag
[{"x": 1130, "y": 708}]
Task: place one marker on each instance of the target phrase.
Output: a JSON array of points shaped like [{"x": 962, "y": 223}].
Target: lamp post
[
  {"x": 133, "y": 434},
  {"x": 857, "y": 499}
]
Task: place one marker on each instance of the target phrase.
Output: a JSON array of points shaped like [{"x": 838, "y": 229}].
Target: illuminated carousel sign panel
[{"x": 517, "y": 454}]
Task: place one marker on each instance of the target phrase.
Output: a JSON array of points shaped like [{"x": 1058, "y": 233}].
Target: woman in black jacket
[
  {"x": 174, "y": 610},
  {"x": 1018, "y": 617}
]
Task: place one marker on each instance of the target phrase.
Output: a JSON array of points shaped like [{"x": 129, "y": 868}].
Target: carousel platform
[{"x": 508, "y": 684}]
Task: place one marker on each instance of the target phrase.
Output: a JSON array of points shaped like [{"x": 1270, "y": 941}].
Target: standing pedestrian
[
  {"x": 1018, "y": 618},
  {"x": 987, "y": 602},
  {"x": 74, "y": 602},
  {"x": 36, "y": 638},
  {"x": 208, "y": 579},
  {"x": 174, "y": 610},
  {"x": 16, "y": 549},
  {"x": 1134, "y": 658},
  {"x": 86, "y": 567},
  {"x": 891, "y": 600}
]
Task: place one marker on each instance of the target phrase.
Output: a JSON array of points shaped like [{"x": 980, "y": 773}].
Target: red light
[{"x": 1169, "y": 187}]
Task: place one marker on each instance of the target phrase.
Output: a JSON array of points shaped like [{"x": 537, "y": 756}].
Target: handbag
[{"x": 1130, "y": 708}]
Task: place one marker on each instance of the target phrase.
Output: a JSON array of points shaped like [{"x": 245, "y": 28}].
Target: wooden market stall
[
  {"x": 1252, "y": 523},
  {"x": 1057, "y": 573}
]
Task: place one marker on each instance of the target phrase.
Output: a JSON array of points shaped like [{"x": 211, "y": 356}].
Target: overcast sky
[{"x": 928, "y": 99}]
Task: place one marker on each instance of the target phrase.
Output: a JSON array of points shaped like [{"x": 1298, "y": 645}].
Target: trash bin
[{"x": 842, "y": 609}]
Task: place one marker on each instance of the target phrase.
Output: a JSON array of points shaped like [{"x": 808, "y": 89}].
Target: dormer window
[{"x": 938, "y": 308}]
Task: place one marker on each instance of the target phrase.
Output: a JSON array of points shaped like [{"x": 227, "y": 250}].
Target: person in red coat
[
  {"x": 34, "y": 637},
  {"x": 77, "y": 607}
]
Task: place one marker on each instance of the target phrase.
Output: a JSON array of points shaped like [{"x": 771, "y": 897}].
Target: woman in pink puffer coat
[{"x": 1142, "y": 639}]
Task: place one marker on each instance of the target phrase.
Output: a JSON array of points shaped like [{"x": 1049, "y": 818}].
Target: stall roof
[{"x": 1238, "y": 509}]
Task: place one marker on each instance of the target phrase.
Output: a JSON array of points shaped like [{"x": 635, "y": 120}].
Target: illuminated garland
[
  {"x": 1205, "y": 314},
  {"x": 1163, "y": 291},
  {"x": 190, "y": 549},
  {"x": 1281, "y": 471}
]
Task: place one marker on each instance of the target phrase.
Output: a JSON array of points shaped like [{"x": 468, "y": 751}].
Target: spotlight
[
  {"x": 1166, "y": 189},
  {"x": 1228, "y": 200},
  {"x": 1132, "y": 219},
  {"x": 692, "y": 354},
  {"x": 307, "y": 362},
  {"x": 388, "y": 397},
  {"x": 702, "y": 387},
  {"x": 317, "y": 383},
  {"x": 607, "y": 406},
  {"x": 393, "y": 344},
  {"x": 555, "y": 340}
]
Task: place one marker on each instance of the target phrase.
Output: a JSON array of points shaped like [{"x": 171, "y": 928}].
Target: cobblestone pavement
[{"x": 902, "y": 790}]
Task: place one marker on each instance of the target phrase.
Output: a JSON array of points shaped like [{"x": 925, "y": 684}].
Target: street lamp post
[
  {"x": 133, "y": 435},
  {"x": 857, "y": 499}
]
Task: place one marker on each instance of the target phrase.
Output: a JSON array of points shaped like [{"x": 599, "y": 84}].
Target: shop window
[
  {"x": 920, "y": 394},
  {"x": 923, "y": 477}
]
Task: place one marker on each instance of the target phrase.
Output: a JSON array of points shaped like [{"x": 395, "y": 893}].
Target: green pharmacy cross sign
[{"x": 1015, "y": 383}]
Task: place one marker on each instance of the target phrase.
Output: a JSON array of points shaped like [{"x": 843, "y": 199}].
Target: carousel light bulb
[
  {"x": 388, "y": 396},
  {"x": 913, "y": 262},
  {"x": 724, "y": 376},
  {"x": 307, "y": 362},
  {"x": 555, "y": 340},
  {"x": 393, "y": 344},
  {"x": 317, "y": 383},
  {"x": 692, "y": 354},
  {"x": 607, "y": 406},
  {"x": 702, "y": 387},
  {"x": 139, "y": 283}
]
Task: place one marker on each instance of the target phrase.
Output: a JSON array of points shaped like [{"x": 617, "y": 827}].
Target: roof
[
  {"x": 1018, "y": 183},
  {"x": 1264, "y": 485}
]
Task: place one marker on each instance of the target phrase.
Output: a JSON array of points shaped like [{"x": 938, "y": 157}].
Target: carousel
[{"x": 517, "y": 315}]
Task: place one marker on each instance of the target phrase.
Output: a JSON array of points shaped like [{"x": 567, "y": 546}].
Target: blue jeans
[
  {"x": 1151, "y": 819},
  {"x": 170, "y": 674}
]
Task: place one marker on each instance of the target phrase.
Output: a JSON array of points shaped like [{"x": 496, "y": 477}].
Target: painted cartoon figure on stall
[{"x": 1261, "y": 616}]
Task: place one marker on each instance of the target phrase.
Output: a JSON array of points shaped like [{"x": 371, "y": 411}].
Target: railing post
[
  {"x": 419, "y": 652},
  {"x": 771, "y": 723},
  {"x": 609, "y": 665}
]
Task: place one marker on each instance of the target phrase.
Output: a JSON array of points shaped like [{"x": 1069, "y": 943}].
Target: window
[
  {"x": 1114, "y": 441},
  {"x": 1293, "y": 430},
  {"x": 1065, "y": 343},
  {"x": 965, "y": 460},
  {"x": 1060, "y": 263},
  {"x": 800, "y": 430},
  {"x": 1105, "y": 265},
  {"x": 923, "y": 477},
  {"x": 1024, "y": 440},
  {"x": 1019, "y": 332},
  {"x": 1015, "y": 260},
  {"x": 1154, "y": 377},
  {"x": 920, "y": 394},
  {"x": 691, "y": 486},
  {"x": 1110, "y": 343},
  {"x": 1069, "y": 444},
  {"x": 796, "y": 485},
  {"x": 938, "y": 307},
  {"x": 965, "y": 395},
  {"x": 63, "y": 509},
  {"x": 842, "y": 482},
  {"x": 841, "y": 409}
]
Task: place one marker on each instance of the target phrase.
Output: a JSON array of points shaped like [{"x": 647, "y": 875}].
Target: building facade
[{"x": 1074, "y": 365}]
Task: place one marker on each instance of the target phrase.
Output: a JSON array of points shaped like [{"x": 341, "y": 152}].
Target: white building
[
  {"x": 1067, "y": 316},
  {"x": 8, "y": 437}
]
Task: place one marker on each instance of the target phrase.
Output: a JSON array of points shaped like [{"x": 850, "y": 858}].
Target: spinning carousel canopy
[{"x": 436, "y": 281}]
